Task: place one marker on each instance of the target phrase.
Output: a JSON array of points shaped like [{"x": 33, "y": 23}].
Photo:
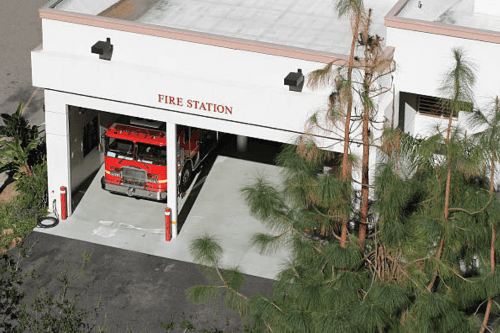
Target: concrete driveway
[{"x": 219, "y": 210}]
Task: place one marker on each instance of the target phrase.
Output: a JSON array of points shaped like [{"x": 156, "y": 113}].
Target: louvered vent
[{"x": 437, "y": 107}]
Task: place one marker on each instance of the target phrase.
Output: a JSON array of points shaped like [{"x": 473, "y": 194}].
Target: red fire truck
[{"x": 135, "y": 154}]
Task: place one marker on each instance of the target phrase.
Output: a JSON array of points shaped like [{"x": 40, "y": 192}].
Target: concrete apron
[{"x": 139, "y": 225}]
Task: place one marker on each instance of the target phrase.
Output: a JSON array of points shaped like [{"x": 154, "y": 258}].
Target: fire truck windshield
[
  {"x": 122, "y": 149},
  {"x": 151, "y": 154}
]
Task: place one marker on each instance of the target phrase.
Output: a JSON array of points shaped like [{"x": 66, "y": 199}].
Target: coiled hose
[{"x": 46, "y": 222}]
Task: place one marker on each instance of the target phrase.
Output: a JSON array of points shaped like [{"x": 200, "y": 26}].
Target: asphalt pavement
[
  {"x": 21, "y": 32},
  {"x": 137, "y": 292}
]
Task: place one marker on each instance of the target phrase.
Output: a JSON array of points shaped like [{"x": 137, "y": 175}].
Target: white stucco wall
[
  {"x": 143, "y": 67},
  {"x": 58, "y": 149},
  {"x": 423, "y": 57}
]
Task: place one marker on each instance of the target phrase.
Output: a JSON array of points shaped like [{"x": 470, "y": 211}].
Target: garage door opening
[
  {"x": 257, "y": 150},
  {"x": 86, "y": 127}
]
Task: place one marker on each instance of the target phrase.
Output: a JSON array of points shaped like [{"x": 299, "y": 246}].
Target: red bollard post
[
  {"x": 167, "y": 224},
  {"x": 64, "y": 211}
]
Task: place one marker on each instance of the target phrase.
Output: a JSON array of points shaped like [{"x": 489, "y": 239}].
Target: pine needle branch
[
  {"x": 442, "y": 280},
  {"x": 473, "y": 213},
  {"x": 458, "y": 275},
  {"x": 300, "y": 234},
  {"x": 228, "y": 287}
]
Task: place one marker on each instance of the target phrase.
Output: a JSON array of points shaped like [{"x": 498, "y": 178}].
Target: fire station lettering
[{"x": 194, "y": 104}]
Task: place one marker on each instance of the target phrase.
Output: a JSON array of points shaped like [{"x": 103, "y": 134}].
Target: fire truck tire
[{"x": 186, "y": 177}]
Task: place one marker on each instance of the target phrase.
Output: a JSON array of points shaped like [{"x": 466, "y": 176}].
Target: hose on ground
[{"x": 46, "y": 222}]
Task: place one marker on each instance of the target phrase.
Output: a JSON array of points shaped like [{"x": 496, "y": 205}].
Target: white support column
[
  {"x": 58, "y": 151},
  {"x": 172, "y": 174}
]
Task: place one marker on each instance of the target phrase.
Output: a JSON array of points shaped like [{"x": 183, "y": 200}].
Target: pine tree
[
  {"x": 355, "y": 83},
  {"x": 422, "y": 269},
  {"x": 341, "y": 101},
  {"x": 489, "y": 137},
  {"x": 375, "y": 66},
  {"x": 457, "y": 88}
]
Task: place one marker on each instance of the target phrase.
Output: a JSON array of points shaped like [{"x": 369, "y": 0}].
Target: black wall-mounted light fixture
[
  {"x": 295, "y": 80},
  {"x": 103, "y": 49}
]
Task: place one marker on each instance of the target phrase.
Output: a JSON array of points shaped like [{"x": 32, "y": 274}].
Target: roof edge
[
  {"x": 437, "y": 28},
  {"x": 192, "y": 36}
]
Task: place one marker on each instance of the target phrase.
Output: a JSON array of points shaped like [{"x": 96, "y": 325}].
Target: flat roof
[
  {"x": 306, "y": 24},
  {"x": 455, "y": 12}
]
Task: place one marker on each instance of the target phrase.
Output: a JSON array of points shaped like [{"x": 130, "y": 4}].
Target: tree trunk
[
  {"x": 346, "y": 169},
  {"x": 446, "y": 210},
  {"x": 492, "y": 263},
  {"x": 448, "y": 174},
  {"x": 364, "y": 180},
  {"x": 389, "y": 156},
  {"x": 493, "y": 229},
  {"x": 365, "y": 161}
]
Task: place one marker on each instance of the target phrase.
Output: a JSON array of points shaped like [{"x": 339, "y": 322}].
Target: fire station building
[{"x": 236, "y": 66}]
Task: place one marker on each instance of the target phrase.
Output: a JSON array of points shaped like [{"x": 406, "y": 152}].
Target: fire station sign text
[{"x": 194, "y": 104}]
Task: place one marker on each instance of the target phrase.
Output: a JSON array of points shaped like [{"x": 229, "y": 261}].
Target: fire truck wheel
[{"x": 186, "y": 176}]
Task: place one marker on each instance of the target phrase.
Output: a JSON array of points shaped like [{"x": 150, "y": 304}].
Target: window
[
  {"x": 90, "y": 136},
  {"x": 151, "y": 154},
  {"x": 119, "y": 148}
]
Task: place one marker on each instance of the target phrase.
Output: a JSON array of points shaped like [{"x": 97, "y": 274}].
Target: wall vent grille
[{"x": 437, "y": 106}]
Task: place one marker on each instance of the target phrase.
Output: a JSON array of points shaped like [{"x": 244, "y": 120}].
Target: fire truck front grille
[{"x": 134, "y": 176}]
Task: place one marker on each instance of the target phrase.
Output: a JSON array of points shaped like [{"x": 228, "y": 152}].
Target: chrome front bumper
[{"x": 132, "y": 191}]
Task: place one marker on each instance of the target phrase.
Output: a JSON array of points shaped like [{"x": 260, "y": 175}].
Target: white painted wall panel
[
  {"x": 409, "y": 126},
  {"x": 162, "y": 54},
  {"x": 425, "y": 125},
  {"x": 255, "y": 105},
  {"x": 59, "y": 99},
  {"x": 422, "y": 58},
  {"x": 55, "y": 123},
  {"x": 58, "y": 168}
]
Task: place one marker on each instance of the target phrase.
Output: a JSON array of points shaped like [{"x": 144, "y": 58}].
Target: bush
[
  {"x": 19, "y": 217},
  {"x": 23, "y": 154},
  {"x": 32, "y": 199}
]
